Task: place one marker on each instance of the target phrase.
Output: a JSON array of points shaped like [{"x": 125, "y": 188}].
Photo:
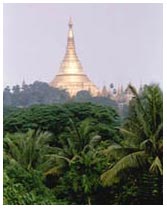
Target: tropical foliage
[
  {"x": 82, "y": 153},
  {"x": 142, "y": 135},
  {"x": 41, "y": 93}
]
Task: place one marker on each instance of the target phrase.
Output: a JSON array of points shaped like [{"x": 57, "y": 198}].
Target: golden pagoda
[{"x": 71, "y": 75}]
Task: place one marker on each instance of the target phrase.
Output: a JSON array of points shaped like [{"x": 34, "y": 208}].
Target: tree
[
  {"x": 82, "y": 96},
  {"x": 22, "y": 187},
  {"x": 78, "y": 163},
  {"x": 55, "y": 118},
  {"x": 7, "y": 98},
  {"x": 69, "y": 162},
  {"x": 143, "y": 136},
  {"x": 27, "y": 149},
  {"x": 24, "y": 159},
  {"x": 36, "y": 93}
]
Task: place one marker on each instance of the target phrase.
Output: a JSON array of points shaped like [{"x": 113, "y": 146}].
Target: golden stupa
[{"x": 71, "y": 75}]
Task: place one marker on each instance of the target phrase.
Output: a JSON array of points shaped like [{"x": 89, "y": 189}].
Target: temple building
[{"x": 71, "y": 76}]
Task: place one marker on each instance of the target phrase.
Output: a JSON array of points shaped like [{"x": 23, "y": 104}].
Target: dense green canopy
[{"x": 83, "y": 153}]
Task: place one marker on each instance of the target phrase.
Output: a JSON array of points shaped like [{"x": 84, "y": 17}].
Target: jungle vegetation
[
  {"x": 39, "y": 93},
  {"x": 81, "y": 153}
]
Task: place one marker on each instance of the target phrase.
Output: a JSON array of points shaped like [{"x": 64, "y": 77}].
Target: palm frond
[
  {"x": 156, "y": 166},
  {"x": 159, "y": 128},
  {"x": 117, "y": 151},
  {"x": 53, "y": 171},
  {"x": 127, "y": 132},
  {"x": 133, "y": 160}
]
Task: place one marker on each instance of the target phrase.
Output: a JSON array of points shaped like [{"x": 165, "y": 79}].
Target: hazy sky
[{"x": 116, "y": 43}]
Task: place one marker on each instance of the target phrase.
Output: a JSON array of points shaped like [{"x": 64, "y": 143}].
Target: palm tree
[
  {"x": 143, "y": 132},
  {"x": 72, "y": 144},
  {"x": 79, "y": 160},
  {"x": 27, "y": 149}
]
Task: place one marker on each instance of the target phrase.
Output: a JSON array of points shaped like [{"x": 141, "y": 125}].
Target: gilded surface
[{"x": 71, "y": 75}]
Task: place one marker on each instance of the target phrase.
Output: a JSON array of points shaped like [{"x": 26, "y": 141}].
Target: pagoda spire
[
  {"x": 71, "y": 75},
  {"x": 70, "y": 39},
  {"x": 70, "y": 22},
  {"x": 70, "y": 32},
  {"x": 71, "y": 63}
]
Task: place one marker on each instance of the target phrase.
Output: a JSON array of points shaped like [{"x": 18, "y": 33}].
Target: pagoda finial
[
  {"x": 70, "y": 32},
  {"x": 70, "y": 22}
]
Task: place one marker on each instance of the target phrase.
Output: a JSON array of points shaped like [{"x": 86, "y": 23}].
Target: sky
[{"x": 116, "y": 43}]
